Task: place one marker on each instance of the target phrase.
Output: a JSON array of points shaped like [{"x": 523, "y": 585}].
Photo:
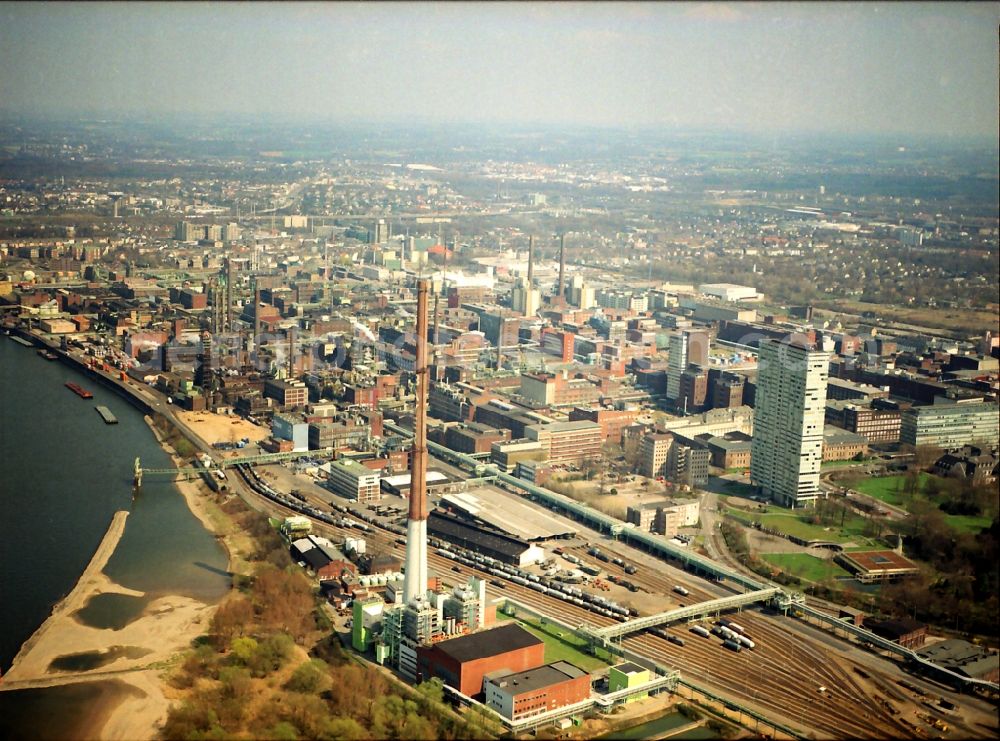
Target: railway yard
[{"x": 795, "y": 675}]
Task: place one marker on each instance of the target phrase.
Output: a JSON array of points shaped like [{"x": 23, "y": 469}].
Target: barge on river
[
  {"x": 79, "y": 390},
  {"x": 106, "y": 415}
]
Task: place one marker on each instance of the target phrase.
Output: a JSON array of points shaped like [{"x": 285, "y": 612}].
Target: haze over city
[
  {"x": 499, "y": 370},
  {"x": 862, "y": 68}
]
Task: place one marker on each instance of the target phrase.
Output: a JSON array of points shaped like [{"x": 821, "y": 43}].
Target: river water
[{"x": 63, "y": 475}]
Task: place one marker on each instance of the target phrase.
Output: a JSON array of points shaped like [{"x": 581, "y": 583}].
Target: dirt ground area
[{"x": 222, "y": 428}]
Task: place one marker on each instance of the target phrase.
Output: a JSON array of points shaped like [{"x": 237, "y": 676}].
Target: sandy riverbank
[
  {"x": 166, "y": 627},
  {"x": 92, "y": 581},
  {"x": 140, "y": 717},
  {"x": 135, "y": 654}
]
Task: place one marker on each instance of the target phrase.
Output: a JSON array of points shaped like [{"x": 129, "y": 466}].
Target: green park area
[
  {"x": 892, "y": 490},
  {"x": 889, "y": 489},
  {"x": 968, "y": 523},
  {"x": 797, "y": 523},
  {"x": 560, "y": 643},
  {"x": 805, "y": 566}
]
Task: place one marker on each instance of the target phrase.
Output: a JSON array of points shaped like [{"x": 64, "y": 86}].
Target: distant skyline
[{"x": 851, "y": 68}]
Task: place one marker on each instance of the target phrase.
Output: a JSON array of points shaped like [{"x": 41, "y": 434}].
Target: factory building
[
  {"x": 462, "y": 663},
  {"x": 520, "y": 695},
  {"x": 290, "y": 428},
  {"x": 490, "y": 543}
]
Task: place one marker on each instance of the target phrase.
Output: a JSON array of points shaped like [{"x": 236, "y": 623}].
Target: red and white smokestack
[{"x": 415, "y": 584}]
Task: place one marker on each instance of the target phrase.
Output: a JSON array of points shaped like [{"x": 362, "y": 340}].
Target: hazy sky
[{"x": 860, "y": 68}]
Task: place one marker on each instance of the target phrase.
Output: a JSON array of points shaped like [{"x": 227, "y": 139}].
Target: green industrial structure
[{"x": 627, "y": 675}]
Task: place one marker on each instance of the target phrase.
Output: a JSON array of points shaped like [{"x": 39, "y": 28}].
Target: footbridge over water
[{"x": 696, "y": 611}]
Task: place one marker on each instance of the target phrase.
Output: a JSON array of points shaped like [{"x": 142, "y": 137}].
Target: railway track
[{"x": 781, "y": 677}]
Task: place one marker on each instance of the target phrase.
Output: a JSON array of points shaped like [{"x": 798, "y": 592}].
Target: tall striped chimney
[{"x": 415, "y": 585}]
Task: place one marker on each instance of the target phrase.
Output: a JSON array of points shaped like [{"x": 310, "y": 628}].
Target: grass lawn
[
  {"x": 888, "y": 489},
  {"x": 884, "y": 489},
  {"x": 564, "y": 647},
  {"x": 843, "y": 464},
  {"x": 795, "y": 523},
  {"x": 805, "y": 566},
  {"x": 967, "y": 523}
]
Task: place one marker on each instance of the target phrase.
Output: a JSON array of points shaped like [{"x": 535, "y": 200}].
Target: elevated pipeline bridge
[
  {"x": 266, "y": 458},
  {"x": 175, "y": 473},
  {"x": 691, "y": 612}
]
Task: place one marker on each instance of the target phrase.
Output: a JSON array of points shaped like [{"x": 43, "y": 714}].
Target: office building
[
  {"x": 653, "y": 452},
  {"x": 876, "y": 425},
  {"x": 725, "y": 389},
  {"x": 688, "y": 465},
  {"x": 665, "y": 517},
  {"x": 685, "y": 347},
  {"x": 787, "y": 447},
  {"x": 352, "y": 480},
  {"x": 568, "y": 442},
  {"x": 950, "y": 424},
  {"x": 692, "y": 393}
]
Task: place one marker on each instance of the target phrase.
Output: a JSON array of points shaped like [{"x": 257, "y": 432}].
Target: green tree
[
  {"x": 311, "y": 677},
  {"x": 271, "y": 654},
  {"x": 282, "y": 731},
  {"x": 243, "y": 649},
  {"x": 189, "y": 719},
  {"x": 236, "y": 682},
  {"x": 432, "y": 690},
  {"x": 343, "y": 728}
]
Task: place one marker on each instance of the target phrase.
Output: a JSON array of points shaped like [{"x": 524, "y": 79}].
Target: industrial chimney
[{"x": 415, "y": 585}]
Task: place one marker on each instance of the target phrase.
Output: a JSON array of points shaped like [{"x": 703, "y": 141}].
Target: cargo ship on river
[{"x": 79, "y": 391}]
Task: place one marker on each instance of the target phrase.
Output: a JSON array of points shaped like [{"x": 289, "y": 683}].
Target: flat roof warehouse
[{"x": 509, "y": 514}]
